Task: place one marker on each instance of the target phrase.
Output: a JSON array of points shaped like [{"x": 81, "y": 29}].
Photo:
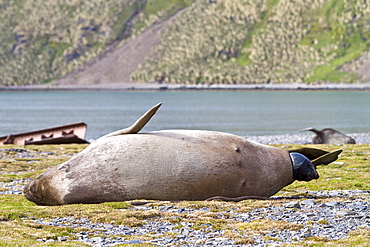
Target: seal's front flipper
[
  {"x": 139, "y": 124},
  {"x": 326, "y": 158},
  {"x": 310, "y": 153}
]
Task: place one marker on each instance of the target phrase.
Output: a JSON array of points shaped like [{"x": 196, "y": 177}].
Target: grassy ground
[{"x": 351, "y": 171}]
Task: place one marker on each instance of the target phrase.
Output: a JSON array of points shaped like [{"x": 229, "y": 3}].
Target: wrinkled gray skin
[
  {"x": 330, "y": 136},
  {"x": 165, "y": 165}
]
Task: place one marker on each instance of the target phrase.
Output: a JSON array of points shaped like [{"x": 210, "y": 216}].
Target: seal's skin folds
[{"x": 165, "y": 165}]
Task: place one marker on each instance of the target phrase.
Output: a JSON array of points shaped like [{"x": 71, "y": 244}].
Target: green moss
[
  {"x": 59, "y": 47},
  {"x": 167, "y": 7},
  {"x": 127, "y": 13},
  {"x": 48, "y": 80},
  {"x": 329, "y": 73},
  {"x": 117, "y": 205},
  {"x": 26, "y": 234}
]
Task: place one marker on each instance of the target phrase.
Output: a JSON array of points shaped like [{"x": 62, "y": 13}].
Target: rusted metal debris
[{"x": 71, "y": 133}]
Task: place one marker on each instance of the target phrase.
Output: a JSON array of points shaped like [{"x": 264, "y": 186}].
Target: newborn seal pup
[
  {"x": 330, "y": 136},
  {"x": 173, "y": 165}
]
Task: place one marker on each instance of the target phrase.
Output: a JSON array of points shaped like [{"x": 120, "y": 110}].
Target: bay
[{"x": 243, "y": 113}]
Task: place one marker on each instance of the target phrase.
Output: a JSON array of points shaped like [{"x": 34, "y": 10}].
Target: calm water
[{"x": 238, "y": 112}]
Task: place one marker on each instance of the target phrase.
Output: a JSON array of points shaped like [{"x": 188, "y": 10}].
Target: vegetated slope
[
  {"x": 44, "y": 40},
  {"x": 117, "y": 62},
  {"x": 212, "y": 41},
  {"x": 264, "y": 41}
]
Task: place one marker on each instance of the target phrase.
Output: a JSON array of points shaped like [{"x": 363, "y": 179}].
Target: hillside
[
  {"x": 271, "y": 41},
  {"x": 211, "y": 42},
  {"x": 41, "y": 41}
]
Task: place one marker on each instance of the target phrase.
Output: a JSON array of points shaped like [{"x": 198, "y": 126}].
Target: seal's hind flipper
[
  {"x": 310, "y": 153},
  {"x": 139, "y": 124},
  {"x": 326, "y": 158},
  {"x": 311, "y": 129},
  {"x": 318, "y": 156}
]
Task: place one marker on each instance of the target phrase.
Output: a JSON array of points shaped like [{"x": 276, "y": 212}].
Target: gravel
[
  {"x": 302, "y": 138},
  {"x": 14, "y": 187},
  {"x": 332, "y": 220}
]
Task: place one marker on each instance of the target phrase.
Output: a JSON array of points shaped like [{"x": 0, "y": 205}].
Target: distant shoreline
[{"x": 180, "y": 87}]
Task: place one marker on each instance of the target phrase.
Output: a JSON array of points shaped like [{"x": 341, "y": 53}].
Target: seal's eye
[{"x": 303, "y": 170}]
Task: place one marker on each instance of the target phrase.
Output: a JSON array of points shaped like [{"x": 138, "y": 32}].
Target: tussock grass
[
  {"x": 235, "y": 42},
  {"x": 224, "y": 42},
  {"x": 44, "y": 40},
  {"x": 265, "y": 225}
]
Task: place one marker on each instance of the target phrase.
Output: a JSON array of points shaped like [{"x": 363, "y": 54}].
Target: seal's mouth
[
  {"x": 307, "y": 174},
  {"x": 311, "y": 175}
]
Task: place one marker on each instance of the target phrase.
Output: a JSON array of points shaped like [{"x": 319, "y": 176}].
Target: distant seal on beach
[
  {"x": 330, "y": 136},
  {"x": 173, "y": 165}
]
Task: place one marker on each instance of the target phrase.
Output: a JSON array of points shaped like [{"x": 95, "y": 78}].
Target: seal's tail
[{"x": 139, "y": 124}]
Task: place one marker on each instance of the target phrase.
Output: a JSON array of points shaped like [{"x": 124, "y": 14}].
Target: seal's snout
[
  {"x": 30, "y": 190},
  {"x": 303, "y": 169},
  {"x": 313, "y": 174},
  {"x": 41, "y": 191}
]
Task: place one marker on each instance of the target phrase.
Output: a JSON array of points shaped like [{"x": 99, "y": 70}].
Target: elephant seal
[
  {"x": 173, "y": 165},
  {"x": 330, "y": 136}
]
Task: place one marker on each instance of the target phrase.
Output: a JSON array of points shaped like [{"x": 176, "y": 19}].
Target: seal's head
[
  {"x": 41, "y": 190},
  {"x": 303, "y": 169}
]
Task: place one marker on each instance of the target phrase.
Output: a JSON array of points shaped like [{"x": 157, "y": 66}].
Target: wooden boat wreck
[{"x": 71, "y": 133}]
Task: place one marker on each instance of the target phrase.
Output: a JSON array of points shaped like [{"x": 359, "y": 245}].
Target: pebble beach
[
  {"x": 343, "y": 211},
  {"x": 332, "y": 220},
  {"x": 302, "y": 138}
]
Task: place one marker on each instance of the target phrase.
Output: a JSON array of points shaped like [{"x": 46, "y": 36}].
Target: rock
[
  {"x": 338, "y": 163},
  {"x": 62, "y": 239},
  {"x": 308, "y": 203},
  {"x": 332, "y": 204},
  {"x": 306, "y": 232},
  {"x": 335, "y": 193},
  {"x": 345, "y": 213},
  {"x": 134, "y": 242},
  {"x": 292, "y": 204},
  {"x": 328, "y": 226}
]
